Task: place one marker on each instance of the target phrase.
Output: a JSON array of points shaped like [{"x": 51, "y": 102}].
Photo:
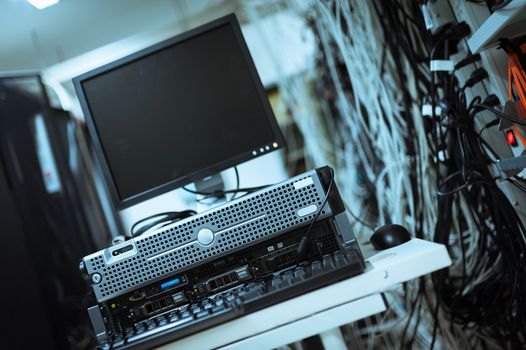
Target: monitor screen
[{"x": 178, "y": 112}]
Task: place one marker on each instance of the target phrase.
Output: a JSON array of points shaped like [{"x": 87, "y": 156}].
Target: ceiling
[
  {"x": 76, "y": 36},
  {"x": 34, "y": 39}
]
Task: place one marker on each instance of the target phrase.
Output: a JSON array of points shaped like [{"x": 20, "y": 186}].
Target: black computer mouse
[{"x": 389, "y": 236}]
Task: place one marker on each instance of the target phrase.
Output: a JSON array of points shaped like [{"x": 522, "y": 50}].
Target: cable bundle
[
  {"x": 430, "y": 174},
  {"x": 483, "y": 294},
  {"x": 480, "y": 298},
  {"x": 371, "y": 81},
  {"x": 368, "y": 130}
]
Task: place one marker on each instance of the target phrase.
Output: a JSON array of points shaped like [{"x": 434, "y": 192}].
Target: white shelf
[
  {"x": 310, "y": 313},
  {"x": 509, "y": 22}
]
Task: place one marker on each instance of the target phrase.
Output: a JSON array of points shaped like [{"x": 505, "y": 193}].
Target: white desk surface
[{"x": 325, "y": 308}]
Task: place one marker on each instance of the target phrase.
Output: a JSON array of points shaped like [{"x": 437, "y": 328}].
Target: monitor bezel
[{"x": 123, "y": 203}]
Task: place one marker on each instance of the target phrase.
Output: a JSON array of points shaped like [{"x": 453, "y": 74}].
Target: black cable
[
  {"x": 303, "y": 245},
  {"x": 416, "y": 53},
  {"x": 501, "y": 114},
  {"x": 471, "y": 202},
  {"x": 356, "y": 218},
  {"x": 435, "y": 325},
  {"x": 464, "y": 179},
  {"x": 237, "y": 183},
  {"x": 488, "y": 125},
  {"x": 409, "y": 318},
  {"x": 167, "y": 218},
  {"x": 470, "y": 166},
  {"x": 223, "y": 192}
]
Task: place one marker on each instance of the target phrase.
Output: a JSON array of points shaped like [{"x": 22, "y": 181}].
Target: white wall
[
  {"x": 281, "y": 45},
  {"x": 36, "y": 39}
]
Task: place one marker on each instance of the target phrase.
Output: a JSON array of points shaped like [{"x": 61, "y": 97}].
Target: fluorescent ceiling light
[{"x": 42, "y": 4}]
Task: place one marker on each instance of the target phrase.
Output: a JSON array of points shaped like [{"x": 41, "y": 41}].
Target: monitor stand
[{"x": 211, "y": 184}]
